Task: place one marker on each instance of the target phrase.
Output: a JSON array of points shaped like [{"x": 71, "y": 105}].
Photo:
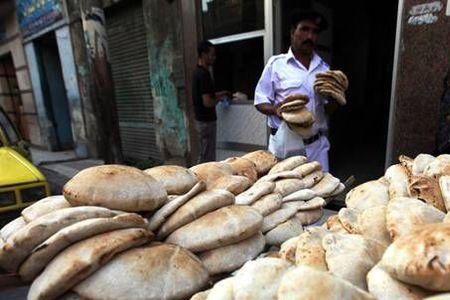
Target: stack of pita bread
[
  {"x": 297, "y": 116},
  {"x": 79, "y": 241},
  {"x": 390, "y": 242},
  {"x": 332, "y": 84},
  {"x": 209, "y": 219},
  {"x": 290, "y": 196}
]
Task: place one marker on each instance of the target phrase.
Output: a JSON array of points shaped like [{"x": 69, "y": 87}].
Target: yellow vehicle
[{"x": 21, "y": 183}]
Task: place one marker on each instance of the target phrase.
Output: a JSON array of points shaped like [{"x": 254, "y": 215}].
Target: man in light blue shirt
[{"x": 294, "y": 73}]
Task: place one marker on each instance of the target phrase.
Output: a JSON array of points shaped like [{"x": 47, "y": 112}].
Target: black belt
[{"x": 307, "y": 141}]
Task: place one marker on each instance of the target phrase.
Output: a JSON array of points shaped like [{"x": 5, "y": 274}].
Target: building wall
[
  {"x": 423, "y": 62},
  {"x": 165, "y": 52},
  {"x": 12, "y": 45}
]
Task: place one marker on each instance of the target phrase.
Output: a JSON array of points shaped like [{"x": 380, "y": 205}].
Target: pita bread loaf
[
  {"x": 232, "y": 257},
  {"x": 115, "y": 187},
  {"x": 44, "y": 206},
  {"x": 427, "y": 189},
  {"x": 339, "y": 96},
  {"x": 350, "y": 256},
  {"x": 196, "y": 207},
  {"x": 263, "y": 159},
  {"x": 277, "y": 217},
  {"x": 421, "y": 258},
  {"x": 370, "y": 194},
  {"x": 349, "y": 219},
  {"x": 80, "y": 260},
  {"x": 334, "y": 75},
  {"x": 288, "y": 186},
  {"x": 312, "y": 179},
  {"x": 284, "y": 231},
  {"x": 201, "y": 295},
  {"x": 304, "y": 283},
  {"x": 20, "y": 245},
  {"x": 225, "y": 226},
  {"x": 308, "y": 168},
  {"x": 340, "y": 188},
  {"x": 281, "y": 175},
  {"x": 326, "y": 186},
  {"x": 444, "y": 185},
  {"x": 443, "y": 296},
  {"x": 406, "y": 162},
  {"x": 333, "y": 224},
  {"x": 222, "y": 290},
  {"x": 301, "y": 195},
  {"x": 310, "y": 205},
  {"x": 397, "y": 177},
  {"x": 243, "y": 167},
  {"x": 301, "y": 116},
  {"x": 288, "y": 164},
  {"x": 12, "y": 227},
  {"x": 254, "y": 193},
  {"x": 259, "y": 279},
  {"x": 175, "y": 179},
  {"x": 384, "y": 287},
  {"x": 234, "y": 184},
  {"x": 421, "y": 162},
  {"x": 288, "y": 248},
  {"x": 403, "y": 215},
  {"x": 46, "y": 251},
  {"x": 268, "y": 204},
  {"x": 170, "y": 207},
  {"x": 155, "y": 271},
  {"x": 211, "y": 171},
  {"x": 438, "y": 167},
  {"x": 310, "y": 251},
  {"x": 309, "y": 217},
  {"x": 372, "y": 224}
]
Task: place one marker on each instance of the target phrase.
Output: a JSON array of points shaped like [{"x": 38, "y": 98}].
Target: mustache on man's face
[{"x": 308, "y": 42}]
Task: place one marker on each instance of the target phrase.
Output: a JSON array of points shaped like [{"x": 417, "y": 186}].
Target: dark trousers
[{"x": 207, "y": 136}]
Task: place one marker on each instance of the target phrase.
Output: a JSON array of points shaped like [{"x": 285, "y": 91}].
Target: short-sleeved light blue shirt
[{"x": 284, "y": 75}]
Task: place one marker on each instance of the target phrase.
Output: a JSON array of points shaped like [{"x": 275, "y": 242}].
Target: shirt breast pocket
[{"x": 289, "y": 86}]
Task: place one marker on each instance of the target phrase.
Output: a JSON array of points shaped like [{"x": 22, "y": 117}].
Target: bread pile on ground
[
  {"x": 164, "y": 233},
  {"x": 297, "y": 116},
  {"x": 392, "y": 241},
  {"x": 332, "y": 84}
]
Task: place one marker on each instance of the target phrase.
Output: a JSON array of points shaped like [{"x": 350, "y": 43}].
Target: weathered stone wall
[
  {"x": 165, "y": 52},
  {"x": 424, "y": 60}
]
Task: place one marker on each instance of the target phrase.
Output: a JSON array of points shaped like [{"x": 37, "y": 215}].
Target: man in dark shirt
[{"x": 205, "y": 99}]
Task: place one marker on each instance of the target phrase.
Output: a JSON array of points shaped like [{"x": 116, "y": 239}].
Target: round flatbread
[
  {"x": 175, "y": 179},
  {"x": 115, "y": 187},
  {"x": 301, "y": 117},
  {"x": 155, "y": 271}
]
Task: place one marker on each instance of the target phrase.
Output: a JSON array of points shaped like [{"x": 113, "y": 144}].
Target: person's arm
[
  {"x": 208, "y": 93},
  {"x": 264, "y": 93},
  {"x": 209, "y": 100},
  {"x": 268, "y": 109}
]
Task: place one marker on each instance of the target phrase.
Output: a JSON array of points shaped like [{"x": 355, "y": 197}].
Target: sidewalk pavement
[{"x": 59, "y": 167}]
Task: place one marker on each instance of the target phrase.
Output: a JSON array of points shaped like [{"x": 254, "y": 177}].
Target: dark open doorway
[
  {"x": 360, "y": 41},
  {"x": 53, "y": 88}
]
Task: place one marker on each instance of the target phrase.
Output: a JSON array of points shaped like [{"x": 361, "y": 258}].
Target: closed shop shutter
[{"x": 131, "y": 74}]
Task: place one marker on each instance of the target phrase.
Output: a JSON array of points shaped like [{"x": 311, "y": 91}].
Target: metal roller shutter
[{"x": 130, "y": 71}]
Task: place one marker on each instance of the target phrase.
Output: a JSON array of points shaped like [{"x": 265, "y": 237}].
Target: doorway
[
  {"x": 54, "y": 92},
  {"x": 10, "y": 99},
  {"x": 359, "y": 41}
]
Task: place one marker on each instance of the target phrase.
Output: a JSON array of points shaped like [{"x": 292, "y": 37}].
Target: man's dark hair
[
  {"x": 203, "y": 47},
  {"x": 310, "y": 15}
]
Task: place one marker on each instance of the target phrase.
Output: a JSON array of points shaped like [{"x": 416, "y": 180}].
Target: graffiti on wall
[
  {"x": 424, "y": 13},
  {"x": 35, "y": 15}
]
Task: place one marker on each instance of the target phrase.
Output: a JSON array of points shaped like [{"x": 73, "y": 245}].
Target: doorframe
[{"x": 393, "y": 100}]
